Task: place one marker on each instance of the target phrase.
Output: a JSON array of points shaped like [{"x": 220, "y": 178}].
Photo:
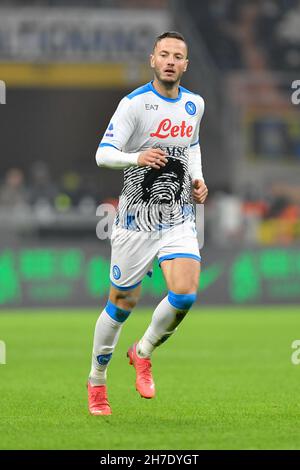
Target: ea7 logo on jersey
[
  {"x": 165, "y": 129},
  {"x": 151, "y": 106}
]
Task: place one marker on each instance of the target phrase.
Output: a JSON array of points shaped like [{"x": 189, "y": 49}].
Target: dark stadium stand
[{"x": 232, "y": 29}]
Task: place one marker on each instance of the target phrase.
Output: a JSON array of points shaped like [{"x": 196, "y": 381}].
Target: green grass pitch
[{"x": 225, "y": 380}]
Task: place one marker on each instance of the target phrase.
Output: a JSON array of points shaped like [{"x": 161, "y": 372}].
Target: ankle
[{"x": 144, "y": 349}]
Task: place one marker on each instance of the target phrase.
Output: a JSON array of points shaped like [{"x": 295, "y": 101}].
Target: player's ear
[
  {"x": 152, "y": 61},
  {"x": 186, "y": 65}
]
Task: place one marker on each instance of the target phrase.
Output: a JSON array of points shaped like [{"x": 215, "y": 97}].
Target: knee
[
  {"x": 124, "y": 300},
  {"x": 184, "y": 286},
  {"x": 182, "y": 301}
]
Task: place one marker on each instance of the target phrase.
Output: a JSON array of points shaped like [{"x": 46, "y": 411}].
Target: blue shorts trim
[
  {"x": 125, "y": 288},
  {"x": 179, "y": 255}
]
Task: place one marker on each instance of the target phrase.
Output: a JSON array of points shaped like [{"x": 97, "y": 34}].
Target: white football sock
[
  {"x": 107, "y": 332},
  {"x": 164, "y": 322}
]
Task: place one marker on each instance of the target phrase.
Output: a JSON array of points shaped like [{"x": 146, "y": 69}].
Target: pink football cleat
[
  {"x": 144, "y": 383},
  {"x": 98, "y": 403}
]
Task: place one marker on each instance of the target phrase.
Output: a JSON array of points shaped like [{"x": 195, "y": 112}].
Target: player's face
[{"x": 169, "y": 60}]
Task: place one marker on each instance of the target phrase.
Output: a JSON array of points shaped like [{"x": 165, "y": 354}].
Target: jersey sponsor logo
[
  {"x": 116, "y": 272},
  {"x": 149, "y": 107},
  {"x": 190, "y": 108},
  {"x": 166, "y": 129},
  {"x": 109, "y": 132},
  {"x": 174, "y": 151}
]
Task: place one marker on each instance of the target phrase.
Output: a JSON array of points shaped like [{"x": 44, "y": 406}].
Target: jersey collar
[{"x": 170, "y": 100}]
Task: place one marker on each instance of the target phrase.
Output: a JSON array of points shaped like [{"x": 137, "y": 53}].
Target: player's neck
[{"x": 168, "y": 92}]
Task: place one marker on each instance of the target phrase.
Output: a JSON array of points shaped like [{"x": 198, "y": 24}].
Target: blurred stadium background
[{"x": 66, "y": 64}]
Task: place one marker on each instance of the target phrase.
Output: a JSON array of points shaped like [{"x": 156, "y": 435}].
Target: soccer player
[{"x": 154, "y": 137}]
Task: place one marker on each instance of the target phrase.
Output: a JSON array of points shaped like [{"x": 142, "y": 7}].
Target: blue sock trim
[
  {"x": 117, "y": 313},
  {"x": 181, "y": 301}
]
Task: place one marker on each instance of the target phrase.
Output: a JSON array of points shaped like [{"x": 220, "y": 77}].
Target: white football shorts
[{"x": 133, "y": 253}]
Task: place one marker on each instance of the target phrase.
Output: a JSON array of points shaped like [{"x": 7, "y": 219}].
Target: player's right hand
[{"x": 154, "y": 157}]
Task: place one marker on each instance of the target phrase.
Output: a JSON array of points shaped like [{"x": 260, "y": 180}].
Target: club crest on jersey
[
  {"x": 190, "y": 108},
  {"x": 166, "y": 129},
  {"x": 109, "y": 132}
]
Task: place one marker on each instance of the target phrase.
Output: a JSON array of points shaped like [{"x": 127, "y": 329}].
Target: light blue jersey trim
[
  {"x": 192, "y": 145},
  {"x": 170, "y": 100},
  {"x": 108, "y": 145},
  {"x": 148, "y": 87},
  {"x": 139, "y": 91},
  {"x": 126, "y": 288},
  {"x": 185, "y": 90},
  {"x": 179, "y": 255}
]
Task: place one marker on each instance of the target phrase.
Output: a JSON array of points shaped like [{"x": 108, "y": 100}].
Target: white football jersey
[{"x": 154, "y": 199}]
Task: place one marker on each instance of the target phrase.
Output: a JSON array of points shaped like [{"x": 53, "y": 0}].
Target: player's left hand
[{"x": 200, "y": 191}]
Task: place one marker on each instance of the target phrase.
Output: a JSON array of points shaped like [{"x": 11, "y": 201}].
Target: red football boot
[
  {"x": 144, "y": 383},
  {"x": 98, "y": 403}
]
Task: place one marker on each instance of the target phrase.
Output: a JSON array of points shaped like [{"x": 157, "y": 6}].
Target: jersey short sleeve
[{"x": 121, "y": 126}]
